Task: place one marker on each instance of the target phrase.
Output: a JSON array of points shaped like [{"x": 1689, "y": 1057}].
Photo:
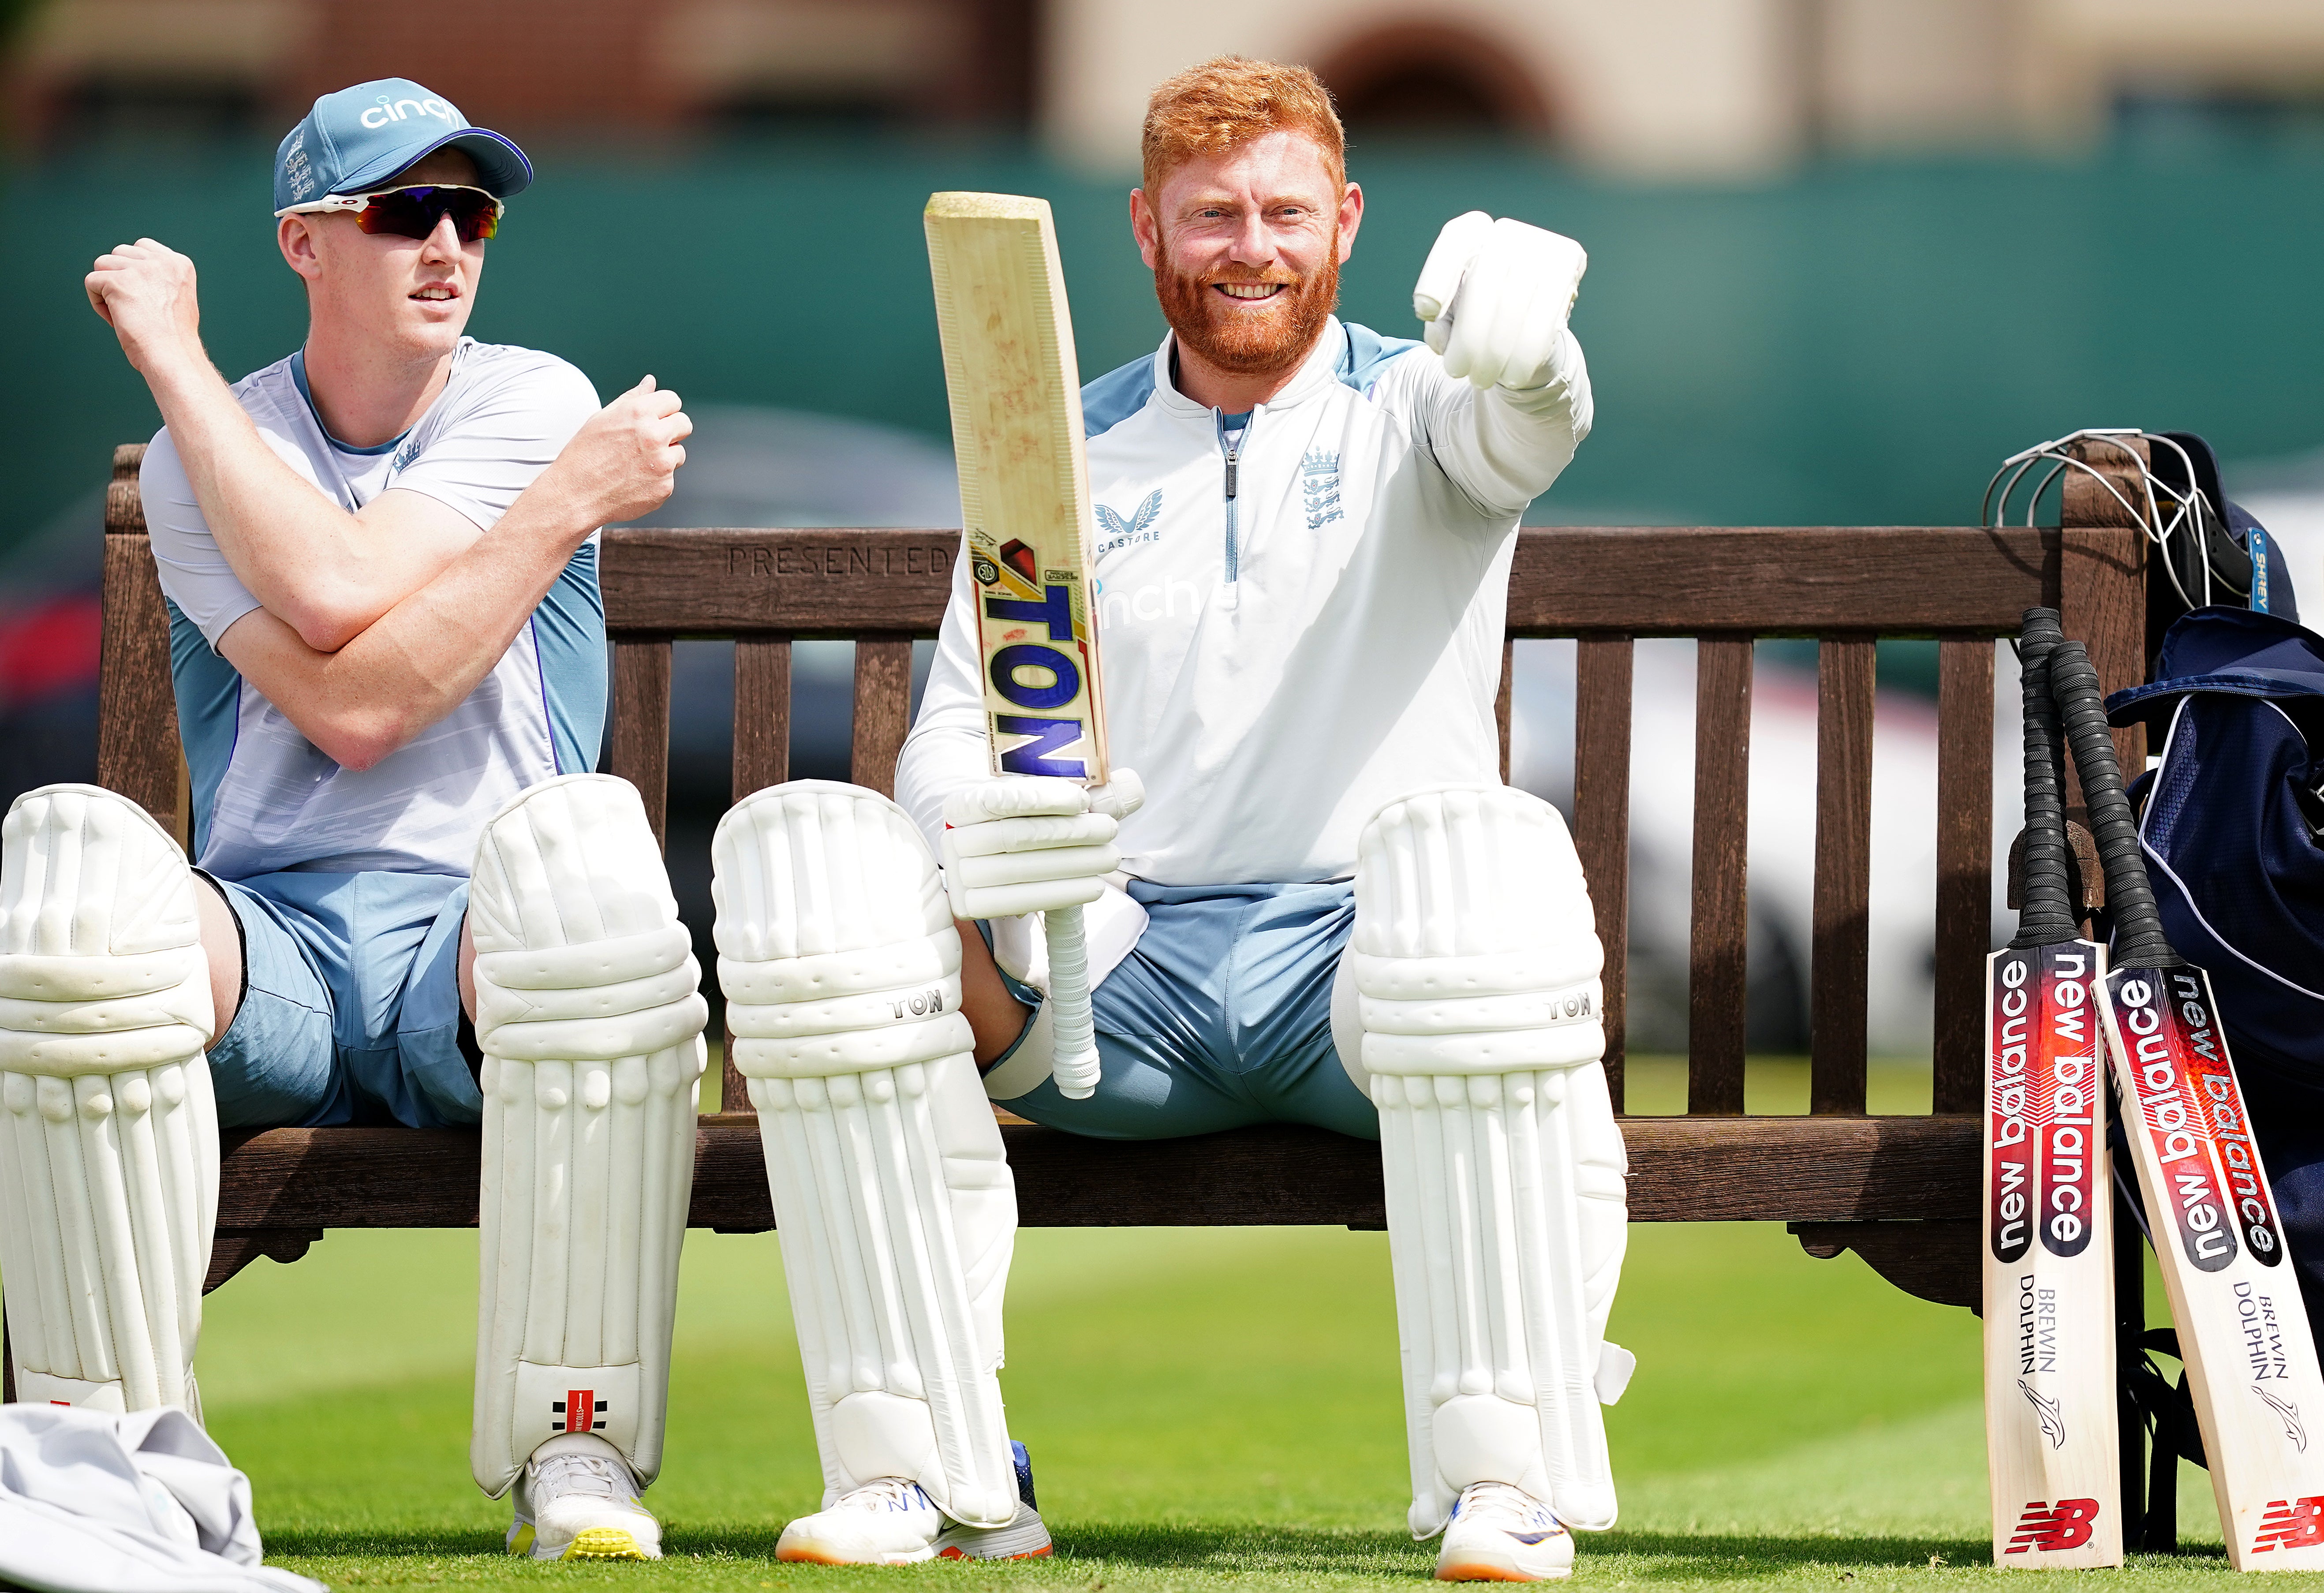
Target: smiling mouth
[
  {"x": 1250, "y": 292},
  {"x": 436, "y": 293}
]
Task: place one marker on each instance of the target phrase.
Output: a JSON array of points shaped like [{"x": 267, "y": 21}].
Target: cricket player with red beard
[{"x": 1328, "y": 910}]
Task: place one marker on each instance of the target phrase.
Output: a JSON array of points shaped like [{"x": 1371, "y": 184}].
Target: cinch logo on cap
[
  {"x": 359, "y": 138},
  {"x": 395, "y": 110}
]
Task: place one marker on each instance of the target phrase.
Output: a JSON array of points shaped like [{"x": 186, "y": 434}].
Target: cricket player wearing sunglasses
[{"x": 412, "y": 900}]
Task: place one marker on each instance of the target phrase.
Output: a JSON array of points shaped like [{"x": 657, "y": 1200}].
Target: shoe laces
[
  {"x": 1505, "y": 1505},
  {"x": 887, "y": 1493},
  {"x": 593, "y": 1476}
]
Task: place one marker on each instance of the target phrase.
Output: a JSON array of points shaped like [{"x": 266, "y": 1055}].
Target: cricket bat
[
  {"x": 2243, "y": 1331},
  {"x": 2051, "y": 1425},
  {"x": 1027, "y": 523}
]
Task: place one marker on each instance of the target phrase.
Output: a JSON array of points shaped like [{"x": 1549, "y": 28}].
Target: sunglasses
[{"x": 416, "y": 212}]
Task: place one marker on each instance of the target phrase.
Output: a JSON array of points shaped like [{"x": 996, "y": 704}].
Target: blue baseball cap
[{"x": 355, "y": 139}]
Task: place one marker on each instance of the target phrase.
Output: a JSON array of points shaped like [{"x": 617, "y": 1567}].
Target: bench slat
[
  {"x": 1964, "y": 868},
  {"x": 1502, "y": 699},
  {"x": 1601, "y": 819},
  {"x": 1832, "y": 1169},
  {"x": 1839, "y": 924},
  {"x": 639, "y": 741},
  {"x": 137, "y": 750},
  {"x": 1659, "y": 581},
  {"x": 883, "y": 709},
  {"x": 1686, "y": 580},
  {"x": 762, "y": 715},
  {"x": 839, "y": 584},
  {"x": 1716, "y": 966}
]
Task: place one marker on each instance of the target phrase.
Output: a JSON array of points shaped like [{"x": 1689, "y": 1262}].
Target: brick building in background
[
  {"x": 597, "y": 70},
  {"x": 1679, "y": 88}
]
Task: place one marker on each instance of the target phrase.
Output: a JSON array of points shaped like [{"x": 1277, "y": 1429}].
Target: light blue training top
[{"x": 265, "y": 798}]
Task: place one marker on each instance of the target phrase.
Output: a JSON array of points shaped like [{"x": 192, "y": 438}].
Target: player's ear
[
  {"x": 1144, "y": 227},
  {"x": 1352, "y": 217},
  {"x": 295, "y": 236}
]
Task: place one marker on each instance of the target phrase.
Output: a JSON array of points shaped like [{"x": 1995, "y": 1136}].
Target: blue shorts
[
  {"x": 351, "y": 1003},
  {"x": 1220, "y": 1017}
]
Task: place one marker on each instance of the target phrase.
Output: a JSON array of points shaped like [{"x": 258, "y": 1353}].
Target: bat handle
[{"x": 1074, "y": 1066}]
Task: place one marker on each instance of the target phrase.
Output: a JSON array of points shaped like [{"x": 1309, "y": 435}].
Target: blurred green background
[{"x": 1859, "y": 342}]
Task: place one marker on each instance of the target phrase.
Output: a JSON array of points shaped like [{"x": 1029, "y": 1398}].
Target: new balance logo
[
  {"x": 2291, "y": 1523},
  {"x": 580, "y": 1411},
  {"x": 2045, "y": 1530}
]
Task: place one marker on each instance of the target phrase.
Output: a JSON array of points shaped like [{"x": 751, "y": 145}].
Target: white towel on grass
[{"x": 92, "y": 1502}]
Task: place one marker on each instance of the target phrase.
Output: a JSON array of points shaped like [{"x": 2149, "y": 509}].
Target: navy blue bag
[{"x": 2230, "y": 823}]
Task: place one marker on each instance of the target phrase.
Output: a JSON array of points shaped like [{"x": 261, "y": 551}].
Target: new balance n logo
[
  {"x": 2291, "y": 1523},
  {"x": 2045, "y": 1530},
  {"x": 580, "y": 1411}
]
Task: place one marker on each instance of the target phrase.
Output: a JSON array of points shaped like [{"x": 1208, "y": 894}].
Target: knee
[{"x": 221, "y": 941}]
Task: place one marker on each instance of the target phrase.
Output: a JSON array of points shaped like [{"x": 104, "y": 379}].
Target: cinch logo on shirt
[{"x": 391, "y": 110}]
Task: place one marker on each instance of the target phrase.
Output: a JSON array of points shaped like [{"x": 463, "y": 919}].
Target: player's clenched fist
[
  {"x": 1031, "y": 844},
  {"x": 623, "y": 461},
  {"x": 145, "y": 291},
  {"x": 1495, "y": 296}
]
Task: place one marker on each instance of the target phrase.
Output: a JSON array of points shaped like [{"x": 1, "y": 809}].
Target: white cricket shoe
[
  {"x": 886, "y": 1522},
  {"x": 1502, "y": 1533},
  {"x": 575, "y": 1499},
  {"x": 891, "y": 1521}
]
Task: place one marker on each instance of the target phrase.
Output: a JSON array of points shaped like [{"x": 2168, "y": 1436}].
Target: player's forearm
[
  {"x": 300, "y": 555},
  {"x": 421, "y": 659}
]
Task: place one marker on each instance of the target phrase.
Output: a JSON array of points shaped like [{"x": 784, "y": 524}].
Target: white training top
[
  {"x": 265, "y": 798},
  {"x": 1282, "y": 663}
]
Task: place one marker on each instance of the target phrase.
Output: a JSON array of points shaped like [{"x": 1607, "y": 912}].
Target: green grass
[{"x": 1206, "y": 1409}]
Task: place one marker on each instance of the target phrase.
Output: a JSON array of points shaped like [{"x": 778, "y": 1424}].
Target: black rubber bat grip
[
  {"x": 2138, "y": 938},
  {"x": 2046, "y": 898}
]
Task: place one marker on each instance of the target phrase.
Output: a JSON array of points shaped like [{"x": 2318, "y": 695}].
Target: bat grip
[
  {"x": 2047, "y": 916},
  {"x": 1075, "y": 1062},
  {"x": 2139, "y": 939}
]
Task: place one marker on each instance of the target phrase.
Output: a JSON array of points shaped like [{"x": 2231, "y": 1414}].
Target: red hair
[{"x": 1230, "y": 100}]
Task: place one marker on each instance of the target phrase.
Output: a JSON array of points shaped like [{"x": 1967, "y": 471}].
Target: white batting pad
[
  {"x": 1475, "y": 967},
  {"x": 590, "y": 1014},
  {"x": 108, "y": 1144},
  {"x": 841, "y": 970}
]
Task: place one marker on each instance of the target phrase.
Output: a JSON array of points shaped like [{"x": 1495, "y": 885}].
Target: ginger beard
[{"x": 1245, "y": 338}]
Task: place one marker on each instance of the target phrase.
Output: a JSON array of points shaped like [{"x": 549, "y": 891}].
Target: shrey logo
[
  {"x": 580, "y": 1411},
  {"x": 2211, "y": 1084},
  {"x": 2291, "y": 1523},
  {"x": 2158, "y": 1051},
  {"x": 2043, "y": 1529}
]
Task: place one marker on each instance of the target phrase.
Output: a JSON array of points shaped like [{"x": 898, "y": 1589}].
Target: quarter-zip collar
[{"x": 1315, "y": 377}]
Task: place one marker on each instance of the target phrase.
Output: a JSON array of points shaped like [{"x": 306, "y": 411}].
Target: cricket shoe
[
  {"x": 892, "y": 1521},
  {"x": 575, "y": 1499},
  {"x": 1026, "y": 1537},
  {"x": 1501, "y": 1533}
]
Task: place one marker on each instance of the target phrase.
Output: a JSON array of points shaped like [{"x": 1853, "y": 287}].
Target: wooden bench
[{"x": 1901, "y": 1190}]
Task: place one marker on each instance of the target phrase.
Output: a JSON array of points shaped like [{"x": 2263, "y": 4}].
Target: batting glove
[
  {"x": 1495, "y": 296},
  {"x": 1032, "y": 843}
]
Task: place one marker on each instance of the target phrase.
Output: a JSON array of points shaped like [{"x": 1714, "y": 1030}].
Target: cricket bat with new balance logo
[
  {"x": 2219, "y": 1242},
  {"x": 1026, "y": 522},
  {"x": 2050, "y": 1416}
]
